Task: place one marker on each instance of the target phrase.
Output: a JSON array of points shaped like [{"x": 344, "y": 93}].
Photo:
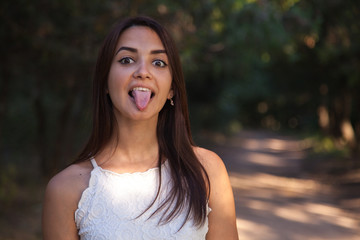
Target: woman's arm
[
  {"x": 60, "y": 203},
  {"x": 222, "y": 218}
]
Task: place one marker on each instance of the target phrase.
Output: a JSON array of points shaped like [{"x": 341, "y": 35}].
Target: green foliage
[
  {"x": 327, "y": 146},
  {"x": 326, "y": 155},
  {"x": 247, "y": 63}
]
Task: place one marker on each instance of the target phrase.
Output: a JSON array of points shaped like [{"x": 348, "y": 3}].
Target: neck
[{"x": 133, "y": 142}]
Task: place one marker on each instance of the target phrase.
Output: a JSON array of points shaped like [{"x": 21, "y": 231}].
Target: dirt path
[{"x": 274, "y": 199}]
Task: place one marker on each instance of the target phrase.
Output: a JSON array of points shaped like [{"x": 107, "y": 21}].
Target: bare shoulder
[
  {"x": 70, "y": 177},
  {"x": 68, "y": 185},
  {"x": 62, "y": 195},
  {"x": 212, "y": 163},
  {"x": 222, "y": 218}
]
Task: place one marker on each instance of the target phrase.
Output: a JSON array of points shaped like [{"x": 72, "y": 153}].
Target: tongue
[{"x": 142, "y": 98}]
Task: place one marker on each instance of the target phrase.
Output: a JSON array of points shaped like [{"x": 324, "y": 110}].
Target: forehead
[{"x": 140, "y": 37}]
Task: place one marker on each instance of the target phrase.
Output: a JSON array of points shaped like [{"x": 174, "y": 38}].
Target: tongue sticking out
[{"x": 142, "y": 98}]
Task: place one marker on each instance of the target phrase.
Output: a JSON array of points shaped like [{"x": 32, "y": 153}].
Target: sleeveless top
[{"x": 113, "y": 208}]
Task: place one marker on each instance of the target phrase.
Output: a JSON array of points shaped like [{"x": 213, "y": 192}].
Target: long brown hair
[{"x": 190, "y": 180}]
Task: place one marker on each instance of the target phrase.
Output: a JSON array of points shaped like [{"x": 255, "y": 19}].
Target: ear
[{"x": 171, "y": 94}]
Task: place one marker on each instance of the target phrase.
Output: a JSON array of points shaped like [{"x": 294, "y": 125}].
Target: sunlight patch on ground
[
  {"x": 275, "y": 145},
  {"x": 332, "y": 215},
  {"x": 249, "y": 230},
  {"x": 262, "y": 180},
  {"x": 258, "y": 205},
  {"x": 322, "y": 209},
  {"x": 266, "y": 160},
  {"x": 293, "y": 214}
]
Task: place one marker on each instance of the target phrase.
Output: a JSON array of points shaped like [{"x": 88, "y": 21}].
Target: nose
[{"x": 142, "y": 71}]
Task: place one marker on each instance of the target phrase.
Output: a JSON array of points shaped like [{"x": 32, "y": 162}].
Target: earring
[{"x": 171, "y": 102}]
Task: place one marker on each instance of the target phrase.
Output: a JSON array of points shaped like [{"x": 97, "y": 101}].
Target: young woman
[{"x": 140, "y": 175}]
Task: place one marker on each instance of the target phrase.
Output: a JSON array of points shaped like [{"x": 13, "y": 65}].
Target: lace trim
[
  {"x": 86, "y": 196},
  {"x": 150, "y": 170},
  {"x": 88, "y": 193}
]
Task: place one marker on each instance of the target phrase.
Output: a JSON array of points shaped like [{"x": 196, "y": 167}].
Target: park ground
[
  {"x": 277, "y": 195},
  {"x": 280, "y": 194}
]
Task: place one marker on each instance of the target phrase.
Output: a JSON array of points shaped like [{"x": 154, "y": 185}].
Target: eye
[
  {"x": 126, "y": 60},
  {"x": 159, "y": 63}
]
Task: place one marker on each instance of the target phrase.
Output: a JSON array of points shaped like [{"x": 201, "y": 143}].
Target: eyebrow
[{"x": 134, "y": 50}]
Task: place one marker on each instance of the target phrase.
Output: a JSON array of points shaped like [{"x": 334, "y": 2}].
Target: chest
[{"x": 122, "y": 207}]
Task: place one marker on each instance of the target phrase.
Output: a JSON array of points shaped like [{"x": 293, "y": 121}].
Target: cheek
[
  {"x": 116, "y": 80},
  {"x": 167, "y": 81}
]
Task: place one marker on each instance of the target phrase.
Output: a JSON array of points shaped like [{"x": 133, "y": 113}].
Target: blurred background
[{"x": 255, "y": 69}]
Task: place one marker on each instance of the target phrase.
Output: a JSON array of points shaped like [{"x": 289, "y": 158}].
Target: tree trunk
[
  {"x": 341, "y": 126},
  {"x": 324, "y": 118},
  {"x": 347, "y": 130}
]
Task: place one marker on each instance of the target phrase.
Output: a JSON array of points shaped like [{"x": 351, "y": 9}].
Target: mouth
[
  {"x": 141, "y": 89},
  {"x": 141, "y": 97}
]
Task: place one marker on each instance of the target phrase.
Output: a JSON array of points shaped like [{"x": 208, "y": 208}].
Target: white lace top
[{"x": 111, "y": 207}]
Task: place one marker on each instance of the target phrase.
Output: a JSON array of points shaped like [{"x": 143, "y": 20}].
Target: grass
[{"x": 326, "y": 155}]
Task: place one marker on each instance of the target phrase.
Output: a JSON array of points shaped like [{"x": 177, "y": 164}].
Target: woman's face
[{"x": 139, "y": 80}]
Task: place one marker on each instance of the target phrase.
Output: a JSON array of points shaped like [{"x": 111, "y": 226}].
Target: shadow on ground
[{"x": 275, "y": 198}]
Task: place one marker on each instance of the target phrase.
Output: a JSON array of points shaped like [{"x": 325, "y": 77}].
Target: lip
[{"x": 142, "y": 88}]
